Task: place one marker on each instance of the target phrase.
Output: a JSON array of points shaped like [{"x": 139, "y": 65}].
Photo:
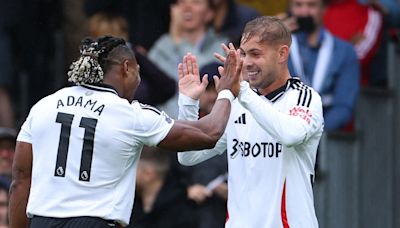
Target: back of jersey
[{"x": 86, "y": 146}]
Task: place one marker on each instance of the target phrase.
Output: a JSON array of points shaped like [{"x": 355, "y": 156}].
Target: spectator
[
  {"x": 3, "y": 206},
  {"x": 231, "y": 17},
  {"x": 161, "y": 200},
  {"x": 325, "y": 62},
  {"x": 6, "y": 107},
  {"x": 7, "y": 148},
  {"x": 144, "y": 27},
  {"x": 189, "y": 32},
  {"x": 153, "y": 79},
  {"x": 9, "y": 17},
  {"x": 358, "y": 24},
  {"x": 208, "y": 188},
  {"x": 390, "y": 9}
]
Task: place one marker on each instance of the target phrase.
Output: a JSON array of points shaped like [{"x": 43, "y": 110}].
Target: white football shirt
[
  {"x": 271, "y": 146},
  {"x": 86, "y": 144}
]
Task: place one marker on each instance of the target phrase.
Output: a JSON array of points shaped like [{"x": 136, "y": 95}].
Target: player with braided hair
[
  {"x": 77, "y": 152},
  {"x": 89, "y": 67}
]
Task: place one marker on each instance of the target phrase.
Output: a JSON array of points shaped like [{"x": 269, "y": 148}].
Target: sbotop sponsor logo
[{"x": 255, "y": 149}]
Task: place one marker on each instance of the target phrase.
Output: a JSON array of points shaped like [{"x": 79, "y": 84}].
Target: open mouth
[
  {"x": 252, "y": 74},
  {"x": 187, "y": 16}
]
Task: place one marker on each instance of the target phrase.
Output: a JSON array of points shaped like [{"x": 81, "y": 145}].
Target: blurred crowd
[{"x": 338, "y": 47}]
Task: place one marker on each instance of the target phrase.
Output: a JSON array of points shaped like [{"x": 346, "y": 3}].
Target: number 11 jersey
[{"x": 86, "y": 142}]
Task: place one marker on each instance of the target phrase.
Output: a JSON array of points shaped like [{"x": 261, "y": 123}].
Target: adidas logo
[{"x": 241, "y": 119}]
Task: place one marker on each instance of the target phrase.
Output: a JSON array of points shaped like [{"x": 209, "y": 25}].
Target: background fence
[{"x": 359, "y": 182}]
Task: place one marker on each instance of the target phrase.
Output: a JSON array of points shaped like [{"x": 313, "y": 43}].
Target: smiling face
[
  {"x": 195, "y": 13},
  {"x": 264, "y": 49},
  {"x": 260, "y": 62}
]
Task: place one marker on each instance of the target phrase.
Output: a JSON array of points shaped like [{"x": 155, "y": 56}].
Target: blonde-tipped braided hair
[{"x": 90, "y": 66}]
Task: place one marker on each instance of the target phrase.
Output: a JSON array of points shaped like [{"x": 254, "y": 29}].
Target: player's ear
[
  {"x": 126, "y": 66},
  {"x": 283, "y": 52}
]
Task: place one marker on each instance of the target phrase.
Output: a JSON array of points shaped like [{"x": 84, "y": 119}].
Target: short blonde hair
[{"x": 271, "y": 31}]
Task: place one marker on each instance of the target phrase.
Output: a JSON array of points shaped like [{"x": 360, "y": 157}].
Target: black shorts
[{"x": 75, "y": 222}]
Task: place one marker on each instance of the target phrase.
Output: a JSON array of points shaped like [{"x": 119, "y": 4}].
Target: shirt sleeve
[
  {"x": 292, "y": 128},
  {"x": 189, "y": 110},
  {"x": 153, "y": 125}
]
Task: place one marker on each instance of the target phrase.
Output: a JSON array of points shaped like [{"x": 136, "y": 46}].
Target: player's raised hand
[
  {"x": 230, "y": 73},
  {"x": 226, "y": 49},
  {"x": 189, "y": 77}
]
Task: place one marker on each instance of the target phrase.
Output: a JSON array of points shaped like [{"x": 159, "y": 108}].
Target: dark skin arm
[
  {"x": 204, "y": 133},
  {"x": 20, "y": 185},
  {"x": 201, "y": 134}
]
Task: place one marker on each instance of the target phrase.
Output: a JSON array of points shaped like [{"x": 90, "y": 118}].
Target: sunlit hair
[
  {"x": 271, "y": 31},
  {"x": 96, "y": 57},
  {"x": 102, "y": 24}
]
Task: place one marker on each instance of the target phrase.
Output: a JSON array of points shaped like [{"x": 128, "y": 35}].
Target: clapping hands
[
  {"x": 231, "y": 72},
  {"x": 189, "y": 77}
]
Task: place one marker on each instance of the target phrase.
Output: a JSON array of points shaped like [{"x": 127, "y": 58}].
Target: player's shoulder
[
  {"x": 148, "y": 111},
  {"x": 145, "y": 108},
  {"x": 304, "y": 94},
  {"x": 297, "y": 85},
  {"x": 149, "y": 114}
]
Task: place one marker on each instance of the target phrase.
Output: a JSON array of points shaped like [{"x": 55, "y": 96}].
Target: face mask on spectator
[{"x": 306, "y": 24}]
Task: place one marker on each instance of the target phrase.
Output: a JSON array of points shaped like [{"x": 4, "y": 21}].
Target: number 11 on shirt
[{"x": 89, "y": 124}]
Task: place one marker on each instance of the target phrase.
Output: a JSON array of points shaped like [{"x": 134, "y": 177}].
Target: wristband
[{"x": 226, "y": 94}]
